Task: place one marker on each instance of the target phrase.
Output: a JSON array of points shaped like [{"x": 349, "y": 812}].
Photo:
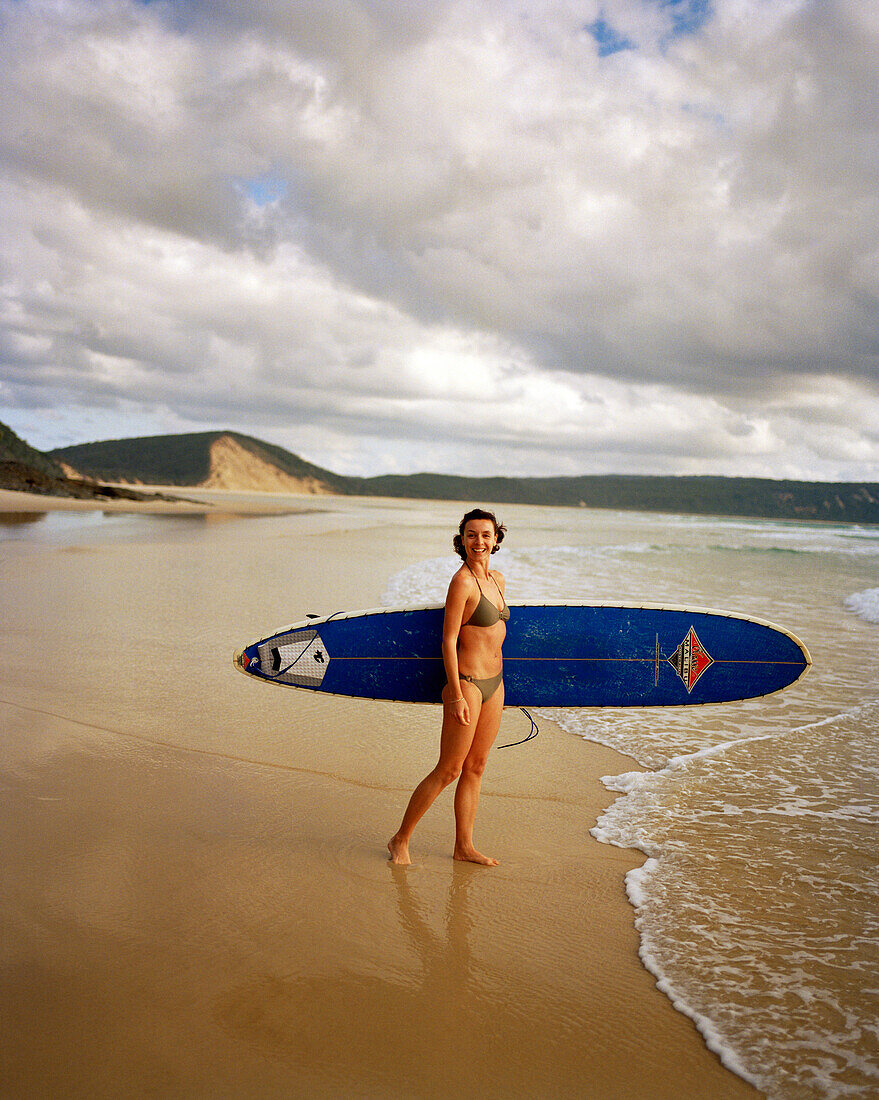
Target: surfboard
[{"x": 555, "y": 655}]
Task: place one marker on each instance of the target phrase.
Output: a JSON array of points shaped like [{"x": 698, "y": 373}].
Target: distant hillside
[
  {"x": 27, "y": 470},
  {"x": 230, "y": 460},
  {"x": 15, "y": 450},
  {"x": 213, "y": 460},
  {"x": 843, "y": 502}
]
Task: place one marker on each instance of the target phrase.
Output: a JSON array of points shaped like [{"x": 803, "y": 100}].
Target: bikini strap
[
  {"x": 490, "y": 577},
  {"x": 479, "y": 586},
  {"x": 473, "y": 575}
]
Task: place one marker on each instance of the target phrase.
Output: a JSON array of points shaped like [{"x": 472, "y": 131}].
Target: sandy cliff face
[
  {"x": 233, "y": 467},
  {"x": 69, "y": 470}
]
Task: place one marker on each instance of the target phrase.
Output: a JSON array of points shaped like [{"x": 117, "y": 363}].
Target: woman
[{"x": 474, "y": 626}]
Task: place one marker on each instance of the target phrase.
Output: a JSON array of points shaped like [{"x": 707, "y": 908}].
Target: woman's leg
[
  {"x": 455, "y": 743},
  {"x": 467, "y": 791}
]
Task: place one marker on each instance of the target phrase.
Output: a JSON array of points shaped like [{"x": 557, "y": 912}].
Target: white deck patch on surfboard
[{"x": 300, "y": 659}]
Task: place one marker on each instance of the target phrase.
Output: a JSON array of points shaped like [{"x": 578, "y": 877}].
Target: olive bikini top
[{"x": 485, "y": 612}]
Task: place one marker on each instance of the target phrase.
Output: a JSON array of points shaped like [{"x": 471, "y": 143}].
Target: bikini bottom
[{"x": 487, "y": 688}]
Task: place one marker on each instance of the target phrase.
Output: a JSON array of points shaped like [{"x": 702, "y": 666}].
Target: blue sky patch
[
  {"x": 264, "y": 189},
  {"x": 684, "y": 16},
  {"x": 687, "y": 16},
  {"x": 609, "y": 41}
]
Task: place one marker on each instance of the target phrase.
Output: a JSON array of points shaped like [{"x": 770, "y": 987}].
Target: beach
[{"x": 197, "y": 897}]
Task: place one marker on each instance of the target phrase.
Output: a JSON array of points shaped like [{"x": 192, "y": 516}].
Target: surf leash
[{"x": 532, "y": 733}]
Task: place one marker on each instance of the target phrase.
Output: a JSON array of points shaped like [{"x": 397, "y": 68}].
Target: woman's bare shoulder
[
  {"x": 462, "y": 581},
  {"x": 458, "y": 596}
]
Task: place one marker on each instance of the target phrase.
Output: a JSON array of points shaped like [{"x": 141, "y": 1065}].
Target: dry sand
[{"x": 197, "y": 900}]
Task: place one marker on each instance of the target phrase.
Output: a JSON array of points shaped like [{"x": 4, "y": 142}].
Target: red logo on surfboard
[{"x": 690, "y": 660}]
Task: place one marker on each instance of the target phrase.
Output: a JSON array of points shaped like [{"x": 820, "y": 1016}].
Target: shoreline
[
  {"x": 13, "y": 500},
  {"x": 200, "y": 501},
  {"x": 200, "y": 896}
]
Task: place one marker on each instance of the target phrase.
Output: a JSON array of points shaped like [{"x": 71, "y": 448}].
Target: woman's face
[{"x": 479, "y": 539}]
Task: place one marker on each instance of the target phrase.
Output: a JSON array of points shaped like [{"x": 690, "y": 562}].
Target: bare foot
[
  {"x": 399, "y": 850},
  {"x": 470, "y": 855}
]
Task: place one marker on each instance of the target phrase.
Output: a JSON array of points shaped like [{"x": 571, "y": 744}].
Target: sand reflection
[
  {"x": 360, "y": 1015},
  {"x": 19, "y": 519},
  {"x": 445, "y": 956}
]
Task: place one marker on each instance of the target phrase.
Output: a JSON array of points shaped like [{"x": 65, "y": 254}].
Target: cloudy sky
[{"x": 486, "y": 236}]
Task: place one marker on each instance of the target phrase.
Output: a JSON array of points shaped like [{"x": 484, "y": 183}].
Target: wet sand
[{"x": 197, "y": 899}]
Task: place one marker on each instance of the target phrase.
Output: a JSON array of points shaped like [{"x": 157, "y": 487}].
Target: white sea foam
[
  {"x": 762, "y": 972},
  {"x": 557, "y": 573},
  {"x": 771, "y": 535},
  {"x": 843, "y": 540},
  {"x": 425, "y": 582},
  {"x": 865, "y": 604},
  {"x": 638, "y": 890}
]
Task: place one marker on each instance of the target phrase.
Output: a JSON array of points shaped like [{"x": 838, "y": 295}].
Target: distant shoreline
[
  {"x": 148, "y": 502},
  {"x": 160, "y": 500}
]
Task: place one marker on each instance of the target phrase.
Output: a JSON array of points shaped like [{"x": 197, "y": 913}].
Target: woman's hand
[{"x": 460, "y": 711}]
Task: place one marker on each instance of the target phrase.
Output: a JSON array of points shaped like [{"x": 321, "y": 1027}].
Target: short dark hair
[{"x": 478, "y": 513}]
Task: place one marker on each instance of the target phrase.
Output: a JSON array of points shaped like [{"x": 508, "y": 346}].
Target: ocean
[{"x": 758, "y": 904}]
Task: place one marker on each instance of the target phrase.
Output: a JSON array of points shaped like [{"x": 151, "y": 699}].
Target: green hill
[
  {"x": 181, "y": 459},
  {"x": 842, "y": 502},
  {"x": 27, "y": 470},
  {"x": 15, "y": 450}
]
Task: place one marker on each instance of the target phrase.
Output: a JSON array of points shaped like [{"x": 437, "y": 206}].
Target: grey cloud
[{"x": 696, "y": 215}]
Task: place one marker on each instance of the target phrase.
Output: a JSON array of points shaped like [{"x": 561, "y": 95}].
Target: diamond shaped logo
[{"x": 690, "y": 660}]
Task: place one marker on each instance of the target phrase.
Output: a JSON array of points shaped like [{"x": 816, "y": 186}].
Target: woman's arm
[{"x": 456, "y": 601}]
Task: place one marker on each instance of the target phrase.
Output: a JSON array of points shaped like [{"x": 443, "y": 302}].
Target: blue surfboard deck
[{"x": 555, "y": 655}]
